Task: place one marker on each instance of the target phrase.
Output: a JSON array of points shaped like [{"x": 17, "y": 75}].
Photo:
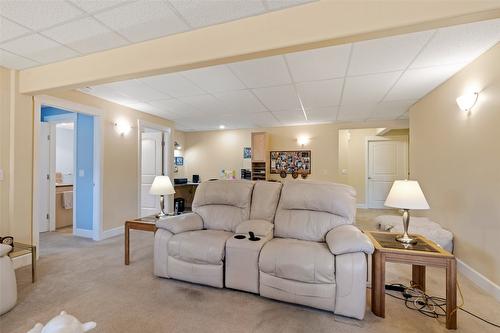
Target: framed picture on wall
[
  {"x": 247, "y": 152},
  {"x": 296, "y": 161},
  {"x": 179, "y": 160}
]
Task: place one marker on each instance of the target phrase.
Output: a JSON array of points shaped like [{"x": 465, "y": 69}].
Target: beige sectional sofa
[{"x": 308, "y": 251}]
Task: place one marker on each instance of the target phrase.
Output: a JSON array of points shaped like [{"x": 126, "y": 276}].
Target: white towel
[{"x": 67, "y": 198}]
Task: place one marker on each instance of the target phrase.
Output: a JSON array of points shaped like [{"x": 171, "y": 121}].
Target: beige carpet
[{"x": 89, "y": 280}]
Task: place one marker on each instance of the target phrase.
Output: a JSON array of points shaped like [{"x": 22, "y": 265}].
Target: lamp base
[{"x": 406, "y": 239}]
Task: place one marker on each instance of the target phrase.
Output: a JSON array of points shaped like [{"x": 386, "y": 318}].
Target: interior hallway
[{"x": 88, "y": 279}]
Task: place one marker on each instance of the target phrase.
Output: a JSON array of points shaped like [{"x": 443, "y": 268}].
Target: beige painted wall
[
  {"x": 120, "y": 164},
  {"x": 208, "y": 152},
  {"x": 456, "y": 158},
  {"x": 120, "y": 157}
]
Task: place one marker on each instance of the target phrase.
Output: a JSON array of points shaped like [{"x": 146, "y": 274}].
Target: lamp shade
[
  {"x": 406, "y": 194},
  {"x": 162, "y": 186}
]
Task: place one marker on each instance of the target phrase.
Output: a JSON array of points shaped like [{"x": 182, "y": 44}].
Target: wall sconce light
[
  {"x": 177, "y": 146},
  {"x": 466, "y": 102},
  {"x": 303, "y": 140},
  {"x": 122, "y": 127}
]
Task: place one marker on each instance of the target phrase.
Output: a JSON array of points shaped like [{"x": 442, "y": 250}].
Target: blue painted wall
[
  {"x": 85, "y": 163},
  {"x": 84, "y": 185},
  {"x": 51, "y": 111}
]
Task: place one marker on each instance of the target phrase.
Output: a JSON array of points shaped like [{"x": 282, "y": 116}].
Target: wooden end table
[
  {"x": 147, "y": 223},
  {"x": 424, "y": 253},
  {"x": 20, "y": 249}
]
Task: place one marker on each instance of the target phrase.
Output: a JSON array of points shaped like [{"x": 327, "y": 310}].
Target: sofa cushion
[
  {"x": 223, "y": 204},
  {"x": 298, "y": 260},
  {"x": 265, "y": 198},
  {"x": 308, "y": 210},
  {"x": 201, "y": 247}
]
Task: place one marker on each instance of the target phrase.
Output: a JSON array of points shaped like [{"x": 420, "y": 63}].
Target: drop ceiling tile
[
  {"x": 459, "y": 44},
  {"x": 323, "y": 114},
  {"x": 416, "y": 83},
  {"x": 386, "y": 54},
  {"x": 200, "y": 13},
  {"x": 319, "y": 64},
  {"x": 368, "y": 89},
  {"x": 92, "y": 6},
  {"x": 12, "y": 61},
  {"x": 320, "y": 93},
  {"x": 143, "y": 20},
  {"x": 278, "y": 98},
  {"x": 39, "y": 48},
  {"x": 240, "y": 101},
  {"x": 280, "y": 4},
  {"x": 85, "y": 35},
  {"x": 174, "y": 85},
  {"x": 214, "y": 79},
  {"x": 205, "y": 103},
  {"x": 263, "y": 72},
  {"x": 290, "y": 117},
  {"x": 176, "y": 107},
  {"x": 355, "y": 112},
  {"x": 39, "y": 14},
  {"x": 10, "y": 30},
  {"x": 390, "y": 110},
  {"x": 262, "y": 119},
  {"x": 138, "y": 90}
]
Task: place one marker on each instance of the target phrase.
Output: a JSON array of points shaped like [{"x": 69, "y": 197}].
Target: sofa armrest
[
  {"x": 348, "y": 239},
  {"x": 260, "y": 228},
  {"x": 181, "y": 223}
]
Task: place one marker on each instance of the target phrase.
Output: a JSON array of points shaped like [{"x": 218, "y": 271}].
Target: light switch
[{"x": 81, "y": 173}]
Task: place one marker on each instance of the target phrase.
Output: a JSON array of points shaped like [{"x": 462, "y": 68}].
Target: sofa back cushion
[
  {"x": 308, "y": 210},
  {"x": 223, "y": 204},
  {"x": 265, "y": 198}
]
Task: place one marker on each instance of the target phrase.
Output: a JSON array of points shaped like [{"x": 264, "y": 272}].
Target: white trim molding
[
  {"x": 361, "y": 205},
  {"x": 113, "y": 232},
  {"x": 479, "y": 279}
]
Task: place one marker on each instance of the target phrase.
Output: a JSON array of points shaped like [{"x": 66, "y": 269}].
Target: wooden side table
[
  {"x": 145, "y": 224},
  {"x": 20, "y": 249},
  {"x": 424, "y": 253}
]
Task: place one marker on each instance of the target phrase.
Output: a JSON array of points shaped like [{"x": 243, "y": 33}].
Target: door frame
[
  {"x": 53, "y": 121},
  {"x": 168, "y": 155},
  {"x": 45, "y": 100},
  {"x": 369, "y": 139}
]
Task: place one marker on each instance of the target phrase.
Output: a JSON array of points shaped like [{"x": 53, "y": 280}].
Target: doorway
[
  {"x": 387, "y": 161},
  {"x": 67, "y": 167},
  {"x": 154, "y": 149}
]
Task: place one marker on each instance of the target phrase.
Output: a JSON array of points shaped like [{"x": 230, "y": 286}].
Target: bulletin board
[{"x": 298, "y": 161}]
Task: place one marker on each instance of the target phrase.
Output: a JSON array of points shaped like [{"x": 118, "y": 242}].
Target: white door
[
  {"x": 387, "y": 162},
  {"x": 44, "y": 174},
  {"x": 150, "y": 167}
]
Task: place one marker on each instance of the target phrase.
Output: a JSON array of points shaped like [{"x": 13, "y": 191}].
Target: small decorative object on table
[
  {"x": 406, "y": 195},
  {"x": 63, "y": 323},
  {"x": 162, "y": 186}
]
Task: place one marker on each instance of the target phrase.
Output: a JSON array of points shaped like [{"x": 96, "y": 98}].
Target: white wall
[{"x": 64, "y": 153}]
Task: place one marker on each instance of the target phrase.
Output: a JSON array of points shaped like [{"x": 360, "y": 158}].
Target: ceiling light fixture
[
  {"x": 222, "y": 126},
  {"x": 466, "y": 102}
]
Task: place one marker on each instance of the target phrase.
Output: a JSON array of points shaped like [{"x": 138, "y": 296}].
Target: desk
[{"x": 186, "y": 191}]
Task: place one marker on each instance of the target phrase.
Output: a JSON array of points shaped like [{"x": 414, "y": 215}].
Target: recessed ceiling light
[{"x": 222, "y": 126}]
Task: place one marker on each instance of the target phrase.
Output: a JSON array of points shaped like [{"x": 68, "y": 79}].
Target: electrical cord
[{"x": 430, "y": 306}]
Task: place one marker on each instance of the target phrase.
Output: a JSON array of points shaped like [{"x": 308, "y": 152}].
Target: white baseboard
[
  {"x": 479, "y": 279},
  {"x": 361, "y": 205},
  {"x": 21, "y": 261},
  {"x": 84, "y": 233},
  {"x": 113, "y": 232}
]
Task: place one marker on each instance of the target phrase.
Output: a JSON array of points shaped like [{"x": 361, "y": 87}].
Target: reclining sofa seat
[{"x": 317, "y": 257}]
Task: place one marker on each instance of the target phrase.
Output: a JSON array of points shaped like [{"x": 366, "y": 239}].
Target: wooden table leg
[
  {"x": 451, "y": 294},
  {"x": 127, "y": 244},
  {"x": 33, "y": 264},
  {"x": 418, "y": 276},
  {"x": 378, "y": 284}
]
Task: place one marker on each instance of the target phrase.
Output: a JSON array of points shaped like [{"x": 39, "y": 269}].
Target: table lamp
[
  {"x": 162, "y": 186},
  {"x": 406, "y": 195}
]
